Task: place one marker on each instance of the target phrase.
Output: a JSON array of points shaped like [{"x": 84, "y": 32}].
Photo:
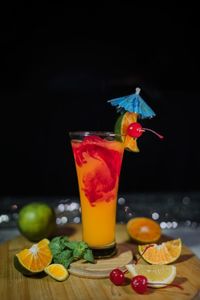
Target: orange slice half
[
  {"x": 161, "y": 254},
  {"x": 143, "y": 230}
]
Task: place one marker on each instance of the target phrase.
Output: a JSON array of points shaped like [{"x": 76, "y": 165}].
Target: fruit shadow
[
  {"x": 37, "y": 276},
  {"x": 184, "y": 257},
  {"x": 180, "y": 280},
  {"x": 65, "y": 231},
  {"x": 177, "y": 283},
  {"x": 126, "y": 246}
]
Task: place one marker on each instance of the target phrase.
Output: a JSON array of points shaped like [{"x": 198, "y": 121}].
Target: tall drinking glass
[{"x": 98, "y": 158}]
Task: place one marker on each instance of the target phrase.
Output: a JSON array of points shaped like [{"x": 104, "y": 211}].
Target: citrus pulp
[
  {"x": 157, "y": 275},
  {"x": 35, "y": 259},
  {"x": 57, "y": 272},
  {"x": 143, "y": 230},
  {"x": 160, "y": 254}
]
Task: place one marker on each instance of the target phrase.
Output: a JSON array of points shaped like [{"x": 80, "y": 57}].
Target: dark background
[{"x": 60, "y": 65}]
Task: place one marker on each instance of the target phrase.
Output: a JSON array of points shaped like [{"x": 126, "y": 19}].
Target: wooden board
[
  {"x": 13, "y": 285},
  {"x": 103, "y": 267}
]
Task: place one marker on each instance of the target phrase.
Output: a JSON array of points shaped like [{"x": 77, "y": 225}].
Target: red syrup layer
[{"x": 101, "y": 181}]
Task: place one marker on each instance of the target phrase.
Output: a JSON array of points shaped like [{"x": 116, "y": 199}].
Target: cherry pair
[{"x": 138, "y": 283}]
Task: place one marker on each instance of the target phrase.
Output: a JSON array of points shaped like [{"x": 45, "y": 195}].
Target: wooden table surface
[{"x": 15, "y": 286}]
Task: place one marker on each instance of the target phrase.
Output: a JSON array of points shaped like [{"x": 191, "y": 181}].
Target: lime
[
  {"x": 36, "y": 221},
  {"x": 121, "y": 127}
]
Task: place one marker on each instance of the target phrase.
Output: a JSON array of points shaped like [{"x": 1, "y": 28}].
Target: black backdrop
[{"x": 59, "y": 68}]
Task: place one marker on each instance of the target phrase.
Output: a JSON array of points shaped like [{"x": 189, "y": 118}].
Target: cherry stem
[
  {"x": 149, "y": 246},
  {"x": 158, "y": 135},
  {"x": 166, "y": 285}
]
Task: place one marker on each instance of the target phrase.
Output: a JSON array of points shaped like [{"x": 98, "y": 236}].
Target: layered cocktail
[{"x": 98, "y": 158}]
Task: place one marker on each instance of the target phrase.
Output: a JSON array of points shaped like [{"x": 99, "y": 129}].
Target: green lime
[
  {"x": 37, "y": 221},
  {"x": 121, "y": 127}
]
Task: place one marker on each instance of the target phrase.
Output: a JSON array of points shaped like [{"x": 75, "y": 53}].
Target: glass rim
[{"x": 91, "y": 132}]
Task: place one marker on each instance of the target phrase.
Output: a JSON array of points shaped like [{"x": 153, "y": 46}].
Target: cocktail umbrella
[
  {"x": 132, "y": 107},
  {"x": 133, "y": 103}
]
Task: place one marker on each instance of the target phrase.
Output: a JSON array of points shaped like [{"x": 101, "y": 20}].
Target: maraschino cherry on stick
[{"x": 135, "y": 130}]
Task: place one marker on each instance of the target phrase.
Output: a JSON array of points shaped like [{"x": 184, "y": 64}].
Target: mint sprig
[{"x": 65, "y": 252}]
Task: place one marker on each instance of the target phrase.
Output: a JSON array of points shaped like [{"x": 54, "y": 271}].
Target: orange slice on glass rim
[{"x": 121, "y": 127}]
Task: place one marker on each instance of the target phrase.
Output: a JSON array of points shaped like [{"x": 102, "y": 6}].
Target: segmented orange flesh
[
  {"x": 164, "y": 253},
  {"x": 37, "y": 257},
  {"x": 57, "y": 271}
]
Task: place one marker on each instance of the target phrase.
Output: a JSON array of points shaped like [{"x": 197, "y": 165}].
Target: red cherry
[
  {"x": 135, "y": 130},
  {"x": 117, "y": 276},
  {"x": 139, "y": 284}
]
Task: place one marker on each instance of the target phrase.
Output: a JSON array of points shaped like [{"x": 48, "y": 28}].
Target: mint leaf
[
  {"x": 79, "y": 251},
  {"x": 64, "y": 251},
  {"x": 88, "y": 255},
  {"x": 63, "y": 242},
  {"x": 71, "y": 245},
  {"x": 64, "y": 254},
  {"x": 64, "y": 258},
  {"x": 68, "y": 262},
  {"x": 55, "y": 246},
  {"x": 83, "y": 245}
]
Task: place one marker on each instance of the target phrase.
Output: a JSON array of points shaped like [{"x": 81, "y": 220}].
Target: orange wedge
[
  {"x": 57, "y": 272},
  {"x": 161, "y": 254},
  {"x": 35, "y": 259}
]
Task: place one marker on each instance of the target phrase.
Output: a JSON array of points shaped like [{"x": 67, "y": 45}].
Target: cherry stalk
[
  {"x": 166, "y": 285},
  {"x": 135, "y": 130},
  {"x": 149, "y": 246}
]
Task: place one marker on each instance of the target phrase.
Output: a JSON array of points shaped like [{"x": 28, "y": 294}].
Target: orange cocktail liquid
[{"x": 98, "y": 164}]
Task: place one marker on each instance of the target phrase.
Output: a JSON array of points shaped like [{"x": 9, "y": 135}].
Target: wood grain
[
  {"x": 13, "y": 285},
  {"x": 102, "y": 267}
]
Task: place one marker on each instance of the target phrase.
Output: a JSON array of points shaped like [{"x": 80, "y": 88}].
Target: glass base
[{"x": 104, "y": 252}]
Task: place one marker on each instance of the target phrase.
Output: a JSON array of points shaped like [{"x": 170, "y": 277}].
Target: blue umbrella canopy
[{"x": 133, "y": 103}]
